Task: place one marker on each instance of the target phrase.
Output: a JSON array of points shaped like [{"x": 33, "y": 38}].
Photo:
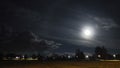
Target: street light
[{"x": 114, "y": 55}]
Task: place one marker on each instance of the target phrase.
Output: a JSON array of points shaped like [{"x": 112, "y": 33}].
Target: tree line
[{"x": 100, "y": 53}]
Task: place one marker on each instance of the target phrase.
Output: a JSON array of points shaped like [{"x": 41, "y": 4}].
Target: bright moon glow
[{"x": 87, "y": 32}]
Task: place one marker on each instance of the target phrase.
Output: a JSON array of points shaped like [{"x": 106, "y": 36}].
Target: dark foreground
[{"x": 60, "y": 64}]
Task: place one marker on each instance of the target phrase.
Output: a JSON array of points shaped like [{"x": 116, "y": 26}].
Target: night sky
[{"x": 62, "y": 22}]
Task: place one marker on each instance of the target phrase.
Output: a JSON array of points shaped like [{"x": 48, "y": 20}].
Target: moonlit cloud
[
  {"x": 24, "y": 41},
  {"x": 104, "y": 22}
]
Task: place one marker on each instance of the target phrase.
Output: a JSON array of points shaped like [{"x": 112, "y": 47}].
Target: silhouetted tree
[
  {"x": 40, "y": 57},
  {"x": 118, "y": 56},
  {"x": 101, "y": 53},
  {"x": 79, "y": 54},
  {"x": 25, "y": 56},
  {"x": 34, "y": 56},
  {"x": 10, "y": 56},
  {"x": 110, "y": 57}
]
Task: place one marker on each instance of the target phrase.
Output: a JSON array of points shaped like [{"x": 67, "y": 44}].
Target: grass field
[{"x": 60, "y": 64}]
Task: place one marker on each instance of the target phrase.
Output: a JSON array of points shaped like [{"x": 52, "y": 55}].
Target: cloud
[
  {"x": 27, "y": 41},
  {"x": 110, "y": 43},
  {"x": 40, "y": 44},
  {"x": 103, "y": 22}
]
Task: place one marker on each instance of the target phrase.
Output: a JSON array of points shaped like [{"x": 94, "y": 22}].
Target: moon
[{"x": 88, "y": 32}]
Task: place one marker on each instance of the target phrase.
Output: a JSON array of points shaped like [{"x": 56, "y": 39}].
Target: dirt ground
[{"x": 60, "y": 64}]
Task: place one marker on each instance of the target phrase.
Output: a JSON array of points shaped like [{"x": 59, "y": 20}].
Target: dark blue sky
[{"x": 62, "y": 21}]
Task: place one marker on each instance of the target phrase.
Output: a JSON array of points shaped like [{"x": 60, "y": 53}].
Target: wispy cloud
[
  {"x": 103, "y": 22},
  {"x": 26, "y": 41}
]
